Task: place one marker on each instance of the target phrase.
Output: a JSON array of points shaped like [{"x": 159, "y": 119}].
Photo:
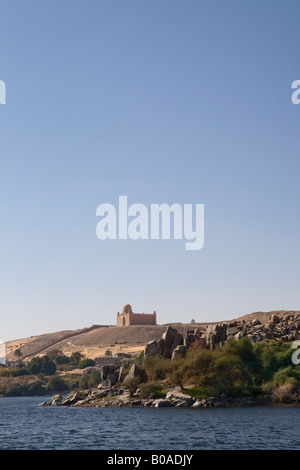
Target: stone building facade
[{"x": 127, "y": 317}]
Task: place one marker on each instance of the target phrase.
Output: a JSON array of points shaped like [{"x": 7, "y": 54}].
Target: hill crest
[{"x": 94, "y": 341}]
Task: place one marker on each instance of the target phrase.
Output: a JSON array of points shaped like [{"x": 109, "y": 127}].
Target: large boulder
[
  {"x": 216, "y": 334},
  {"x": 166, "y": 345},
  {"x": 171, "y": 339},
  {"x": 135, "y": 372},
  {"x": 57, "y": 400},
  {"x": 178, "y": 352},
  {"x": 110, "y": 375},
  {"x": 161, "y": 403},
  {"x": 275, "y": 319},
  {"x": 178, "y": 398},
  {"x": 154, "y": 348},
  {"x": 71, "y": 399}
]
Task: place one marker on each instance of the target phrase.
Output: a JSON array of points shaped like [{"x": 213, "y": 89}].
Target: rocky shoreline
[
  {"x": 174, "y": 398},
  {"x": 115, "y": 390}
]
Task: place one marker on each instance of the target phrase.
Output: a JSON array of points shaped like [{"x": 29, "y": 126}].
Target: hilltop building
[{"x": 127, "y": 317}]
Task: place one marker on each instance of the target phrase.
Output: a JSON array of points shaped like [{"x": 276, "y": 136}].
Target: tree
[
  {"x": 41, "y": 365},
  {"x": 86, "y": 363},
  {"x": 75, "y": 358},
  {"x": 62, "y": 359},
  {"x": 18, "y": 353}
]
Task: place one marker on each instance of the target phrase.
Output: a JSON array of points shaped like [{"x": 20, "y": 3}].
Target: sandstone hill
[{"x": 94, "y": 341}]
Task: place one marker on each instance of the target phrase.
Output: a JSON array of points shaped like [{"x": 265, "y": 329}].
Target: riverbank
[
  {"x": 287, "y": 396},
  {"x": 238, "y": 373}
]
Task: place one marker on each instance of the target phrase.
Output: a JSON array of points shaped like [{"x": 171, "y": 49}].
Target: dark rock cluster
[
  {"x": 174, "y": 344},
  {"x": 278, "y": 328},
  {"x": 174, "y": 398}
]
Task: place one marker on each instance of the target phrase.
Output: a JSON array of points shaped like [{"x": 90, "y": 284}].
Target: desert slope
[{"x": 95, "y": 340}]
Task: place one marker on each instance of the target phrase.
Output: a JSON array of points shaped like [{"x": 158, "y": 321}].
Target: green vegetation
[
  {"x": 18, "y": 354},
  {"x": 75, "y": 358},
  {"x": 237, "y": 368},
  {"x": 151, "y": 390},
  {"x": 240, "y": 367},
  {"x": 132, "y": 385},
  {"x": 13, "y": 372},
  {"x": 139, "y": 359},
  {"x": 21, "y": 386},
  {"x": 62, "y": 359},
  {"x": 41, "y": 365},
  {"x": 40, "y": 377},
  {"x": 124, "y": 355},
  {"x": 86, "y": 363}
]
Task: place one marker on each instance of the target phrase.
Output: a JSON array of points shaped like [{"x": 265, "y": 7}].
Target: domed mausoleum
[{"x": 127, "y": 317}]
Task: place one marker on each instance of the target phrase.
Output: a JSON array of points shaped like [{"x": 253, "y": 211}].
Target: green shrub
[
  {"x": 193, "y": 368},
  {"x": 13, "y": 372},
  {"x": 41, "y": 365},
  {"x": 132, "y": 385},
  {"x": 35, "y": 387},
  {"x": 22, "y": 386},
  {"x": 151, "y": 390},
  {"x": 157, "y": 367},
  {"x": 75, "y": 358},
  {"x": 56, "y": 384},
  {"x": 273, "y": 356},
  {"x": 288, "y": 375},
  {"x": 86, "y": 363},
  {"x": 16, "y": 389},
  {"x": 94, "y": 378},
  {"x": 139, "y": 359},
  {"x": 82, "y": 383},
  {"x": 226, "y": 375},
  {"x": 62, "y": 359}
]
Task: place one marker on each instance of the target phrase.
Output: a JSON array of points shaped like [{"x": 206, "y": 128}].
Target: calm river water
[{"x": 25, "y": 425}]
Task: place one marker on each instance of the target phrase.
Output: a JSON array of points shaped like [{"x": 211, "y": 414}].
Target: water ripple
[{"x": 24, "y": 425}]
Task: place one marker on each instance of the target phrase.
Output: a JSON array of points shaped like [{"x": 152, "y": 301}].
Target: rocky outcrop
[
  {"x": 172, "y": 344},
  {"x": 154, "y": 348},
  {"x": 171, "y": 339},
  {"x": 278, "y": 328},
  {"x": 179, "y": 399},
  {"x": 179, "y": 351},
  {"x": 135, "y": 373},
  {"x": 57, "y": 400},
  {"x": 216, "y": 334},
  {"x": 174, "y": 398},
  {"x": 161, "y": 403},
  {"x": 110, "y": 375}
]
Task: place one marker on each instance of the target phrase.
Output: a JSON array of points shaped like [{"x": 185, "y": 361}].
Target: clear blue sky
[{"x": 162, "y": 101}]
